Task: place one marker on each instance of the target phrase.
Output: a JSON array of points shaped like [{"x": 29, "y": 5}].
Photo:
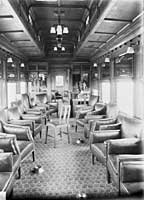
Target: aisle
[{"x": 67, "y": 172}]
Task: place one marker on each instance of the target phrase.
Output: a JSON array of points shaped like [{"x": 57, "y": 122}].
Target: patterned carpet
[{"x": 68, "y": 172}]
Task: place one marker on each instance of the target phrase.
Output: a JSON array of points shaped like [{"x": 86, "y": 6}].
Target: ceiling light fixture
[
  {"x": 9, "y": 60},
  {"x": 130, "y": 50},
  {"x": 95, "y": 64},
  {"x": 107, "y": 60},
  {"x": 55, "y": 48},
  {"x": 59, "y": 29},
  {"x": 22, "y": 65},
  {"x": 63, "y": 48}
]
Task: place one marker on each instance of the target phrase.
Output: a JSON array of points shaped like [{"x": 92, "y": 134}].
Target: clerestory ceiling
[{"x": 94, "y": 26}]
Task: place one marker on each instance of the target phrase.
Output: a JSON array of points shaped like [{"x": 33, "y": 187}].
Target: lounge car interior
[{"x": 71, "y": 99}]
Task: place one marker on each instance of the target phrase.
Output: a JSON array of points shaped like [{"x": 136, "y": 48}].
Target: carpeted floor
[{"x": 68, "y": 172}]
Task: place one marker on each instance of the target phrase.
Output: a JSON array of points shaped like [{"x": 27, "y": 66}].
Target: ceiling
[{"x": 25, "y": 27}]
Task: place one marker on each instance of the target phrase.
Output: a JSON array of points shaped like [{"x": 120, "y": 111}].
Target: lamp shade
[
  {"x": 65, "y": 30},
  {"x": 22, "y": 64},
  {"x": 95, "y": 64},
  {"x": 9, "y": 60},
  {"x": 59, "y": 30},
  {"x": 107, "y": 60},
  {"x": 55, "y": 49},
  {"x": 52, "y": 30},
  {"x": 130, "y": 50},
  {"x": 63, "y": 49}
]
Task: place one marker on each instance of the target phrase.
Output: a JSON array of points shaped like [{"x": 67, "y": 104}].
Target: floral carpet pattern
[{"x": 68, "y": 171}]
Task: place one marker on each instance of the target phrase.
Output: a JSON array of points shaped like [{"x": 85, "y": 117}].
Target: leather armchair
[
  {"x": 6, "y": 173},
  {"x": 8, "y": 143},
  {"x": 83, "y": 116},
  {"x": 97, "y": 142},
  {"x": 131, "y": 174},
  {"x": 120, "y": 150},
  {"x": 29, "y": 107},
  {"x": 87, "y": 107},
  {"x": 110, "y": 113},
  {"x": 41, "y": 100},
  {"x": 32, "y": 121},
  {"x": 23, "y": 135}
]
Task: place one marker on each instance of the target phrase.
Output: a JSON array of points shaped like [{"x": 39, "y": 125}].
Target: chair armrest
[
  {"x": 21, "y": 132},
  {"x": 6, "y": 162},
  {"x": 125, "y": 146},
  {"x": 22, "y": 122},
  {"x": 103, "y": 135},
  {"x": 33, "y": 118},
  {"x": 80, "y": 114},
  {"x": 34, "y": 112}
]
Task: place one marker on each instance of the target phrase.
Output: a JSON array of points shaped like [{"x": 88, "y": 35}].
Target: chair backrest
[
  {"x": 3, "y": 118},
  {"x": 25, "y": 101},
  {"x": 13, "y": 113},
  {"x": 93, "y": 100},
  {"x": 41, "y": 98},
  {"x": 64, "y": 112}
]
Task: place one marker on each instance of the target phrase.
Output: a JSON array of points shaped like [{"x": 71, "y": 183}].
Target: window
[
  {"x": 11, "y": 93},
  {"x": 106, "y": 92},
  {"x": 125, "y": 96},
  {"x": 59, "y": 80}
]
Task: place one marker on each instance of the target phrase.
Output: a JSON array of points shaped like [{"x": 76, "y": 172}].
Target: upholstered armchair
[
  {"x": 100, "y": 132},
  {"x": 41, "y": 99},
  {"x": 31, "y": 108},
  {"x": 86, "y": 107},
  {"x": 34, "y": 122},
  {"x": 131, "y": 174},
  {"x": 118, "y": 151},
  {"x": 8, "y": 143},
  {"x": 84, "y": 116},
  {"x": 103, "y": 114},
  {"x": 7, "y": 175},
  {"x": 28, "y": 114}
]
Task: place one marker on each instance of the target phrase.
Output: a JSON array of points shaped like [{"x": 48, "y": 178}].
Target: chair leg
[
  {"x": 76, "y": 128},
  {"x": 46, "y": 134},
  {"x": 19, "y": 172},
  {"x": 54, "y": 138},
  {"x": 33, "y": 156},
  {"x": 108, "y": 177},
  {"x": 93, "y": 157},
  {"x": 40, "y": 134},
  {"x": 68, "y": 135}
]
